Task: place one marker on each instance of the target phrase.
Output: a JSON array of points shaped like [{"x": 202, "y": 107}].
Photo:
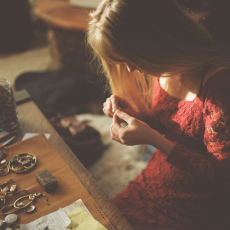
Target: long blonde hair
[{"x": 156, "y": 36}]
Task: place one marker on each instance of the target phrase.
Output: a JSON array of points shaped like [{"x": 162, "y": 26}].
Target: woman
[{"x": 167, "y": 77}]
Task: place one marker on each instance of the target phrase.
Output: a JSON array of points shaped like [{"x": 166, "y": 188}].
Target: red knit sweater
[{"x": 190, "y": 189}]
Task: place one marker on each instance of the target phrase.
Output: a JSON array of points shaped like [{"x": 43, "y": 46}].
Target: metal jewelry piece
[
  {"x": 2, "y": 202},
  {"x": 8, "y": 189},
  {"x": 13, "y": 187},
  {"x": 31, "y": 208},
  {"x": 9, "y": 209},
  {"x": 19, "y": 204},
  {"x": 3, "y": 163},
  {"x": 7, "y": 182},
  {"x": 13, "y": 226},
  {"x": 2, "y": 223},
  {"x": 5, "y": 190},
  {"x": 4, "y": 171},
  {"x": 22, "y": 162},
  {"x": 4, "y": 151},
  {"x": 11, "y": 218}
]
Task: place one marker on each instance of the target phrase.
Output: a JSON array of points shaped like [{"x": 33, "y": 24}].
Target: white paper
[
  {"x": 55, "y": 220},
  {"x": 75, "y": 205},
  {"x": 81, "y": 220},
  {"x": 29, "y": 135}
]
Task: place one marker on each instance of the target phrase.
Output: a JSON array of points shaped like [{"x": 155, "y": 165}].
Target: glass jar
[{"x": 8, "y": 110}]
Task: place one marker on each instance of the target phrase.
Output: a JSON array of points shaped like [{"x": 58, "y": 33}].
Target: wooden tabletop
[
  {"x": 33, "y": 121},
  {"x": 59, "y": 13}
]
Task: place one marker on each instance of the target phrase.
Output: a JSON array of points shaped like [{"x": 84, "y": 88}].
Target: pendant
[
  {"x": 11, "y": 218},
  {"x": 13, "y": 188},
  {"x": 18, "y": 204},
  {"x": 31, "y": 208},
  {"x": 5, "y": 190},
  {"x": 8, "y": 209}
]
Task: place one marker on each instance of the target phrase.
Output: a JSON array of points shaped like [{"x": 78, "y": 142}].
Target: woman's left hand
[{"x": 136, "y": 132}]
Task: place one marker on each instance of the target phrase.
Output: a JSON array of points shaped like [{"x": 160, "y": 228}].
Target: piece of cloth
[
  {"x": 190, "y": 189},
  {"x": 66, "y": 91}
]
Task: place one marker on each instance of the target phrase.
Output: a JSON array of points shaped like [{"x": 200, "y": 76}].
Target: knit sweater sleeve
[{"x": 212, "y": 166}]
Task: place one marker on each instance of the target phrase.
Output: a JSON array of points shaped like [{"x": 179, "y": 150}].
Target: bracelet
[
  {"x": 22, "y": 162},
  {"x": 19, "y": 204},
  {"x": 10, "y": 206}
]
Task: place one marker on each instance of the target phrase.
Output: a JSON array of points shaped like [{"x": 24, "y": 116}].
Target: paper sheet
[
  {"x": 60, "y": 219},
  {"x": 81, "y": 220},
  {"x": 74, "y": 206},
  {"x": 29, "y": 135},
  {"x": 56, "y": 220}
]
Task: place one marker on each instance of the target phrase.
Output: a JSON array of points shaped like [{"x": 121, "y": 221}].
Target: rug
[{"x": 119, "y": 163}]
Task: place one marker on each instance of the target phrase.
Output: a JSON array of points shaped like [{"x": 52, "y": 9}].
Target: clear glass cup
[{"x": 8, "y": 111}]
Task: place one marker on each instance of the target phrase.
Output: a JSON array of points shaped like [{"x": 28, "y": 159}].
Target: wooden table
[{"x": 33, "y": 121}]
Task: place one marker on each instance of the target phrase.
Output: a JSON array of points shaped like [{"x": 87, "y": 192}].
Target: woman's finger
[
  {"x": 107, "y": 107},
  {"x": 122, "y": 116},
  {"x": 114, "y": 101},
  {"x": 108, "y": 104},
  {"x": 114, "y": 134}
]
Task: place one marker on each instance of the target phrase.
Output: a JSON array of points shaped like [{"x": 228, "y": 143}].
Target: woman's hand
[
  {"x": 115, "y": 102},
  {"x": 136, "y": 132}
]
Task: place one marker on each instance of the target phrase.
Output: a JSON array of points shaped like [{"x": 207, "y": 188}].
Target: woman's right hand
[{"x": 115, "y": 102}]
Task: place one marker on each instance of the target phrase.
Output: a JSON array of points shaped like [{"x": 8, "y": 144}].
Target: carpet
[{"x": 119, "y": 163}]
